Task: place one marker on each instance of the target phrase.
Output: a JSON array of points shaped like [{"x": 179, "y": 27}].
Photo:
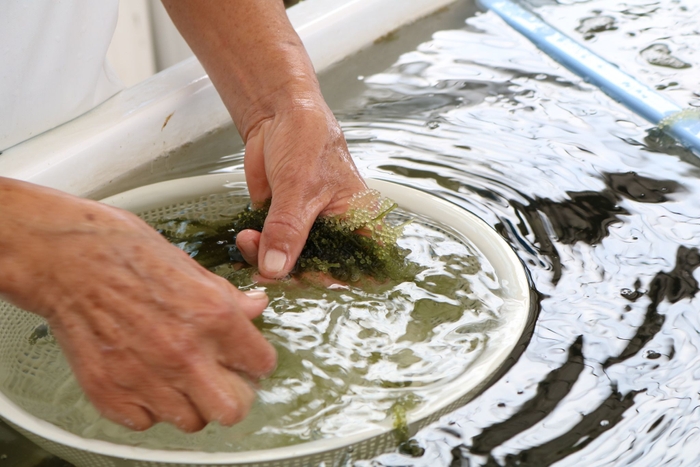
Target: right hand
[
  {"x": 150, "y": 335},
  {"x": 299, "y": 159}
]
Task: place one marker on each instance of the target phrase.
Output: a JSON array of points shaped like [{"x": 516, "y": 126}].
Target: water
[
  {"x": 658, "y": 42},
  {"x": 349, "y": 354},
  {"x": 602, "y": 209},
  {"x": 603, "y": 212}
]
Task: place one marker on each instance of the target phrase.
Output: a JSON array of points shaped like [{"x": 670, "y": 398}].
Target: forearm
[
  {"x": 295, "y": 153},
  {"x": 252, "y": 54},
  {"x": 34, "y": 220},
  {"x": 22, "y": 206}
]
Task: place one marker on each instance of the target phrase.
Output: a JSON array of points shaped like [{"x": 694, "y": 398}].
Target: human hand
[
  {"x": 295, "y": 150},
  {"x": 299, "y": 159},
  {"x": 150, "y": 335}
]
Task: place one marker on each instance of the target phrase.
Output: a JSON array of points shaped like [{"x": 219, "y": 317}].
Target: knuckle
[
  {"x": 101, "y": 401},
  {"x": 284, "y": 225},
  {"x": 168, "y": 361},
  {"x": 188, "y": 424},
  {"x": 127, "y": 414},
  {"x": 137, "y": 425},
  {"x": 235, "y": 413},
  {"x": 267, "y": 363},
  {"x": 182, "y": 360},
  {"x": 105, "y": 396},
  {"x": 211, "y": 318},
  {"x": 177, "y": 350},
  {"x": 94, "y": 389}
]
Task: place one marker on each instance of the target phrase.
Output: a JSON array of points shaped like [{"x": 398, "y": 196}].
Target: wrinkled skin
[
  {"x": 278, "y": 162},
  {"x": 295, "y": 151},
  {"x": 151, "y": 335}
]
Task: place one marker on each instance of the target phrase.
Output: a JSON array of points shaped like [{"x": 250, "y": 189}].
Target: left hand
[{"x": 150, "y": 334}]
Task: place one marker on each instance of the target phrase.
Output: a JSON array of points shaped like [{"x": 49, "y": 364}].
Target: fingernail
[
  {"x": 274, "y": 261},
  {"x": 255, "y": 294}
]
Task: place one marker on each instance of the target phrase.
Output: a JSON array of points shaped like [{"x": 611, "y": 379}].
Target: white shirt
[{"x": 52, "y": 63}]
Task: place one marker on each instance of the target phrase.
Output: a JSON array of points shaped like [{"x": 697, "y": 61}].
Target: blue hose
[{"x": 599, "y": 72}]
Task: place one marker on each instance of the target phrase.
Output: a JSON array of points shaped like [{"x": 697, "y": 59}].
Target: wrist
[
  {"x": 43, "y": 232},
  {"x": 253, "y": 56},
  {"x": 291, "y": 99}
]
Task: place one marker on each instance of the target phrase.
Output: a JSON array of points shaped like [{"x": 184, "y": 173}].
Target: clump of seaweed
[
  {"x": 402, "y": 431},
  {"x": 357, "y": 244}
]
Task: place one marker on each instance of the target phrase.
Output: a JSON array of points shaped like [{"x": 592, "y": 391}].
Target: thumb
[{"x": 284, "y": 234}]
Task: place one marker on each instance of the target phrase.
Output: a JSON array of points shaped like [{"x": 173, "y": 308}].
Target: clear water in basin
[
  {"x": 601, "y": 208},
  {"x": 349, "y": 354}
]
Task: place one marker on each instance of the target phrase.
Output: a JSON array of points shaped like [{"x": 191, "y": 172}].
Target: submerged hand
[
  {"x": 151, "y": 335},
  {"x": 298, "y": 158}
]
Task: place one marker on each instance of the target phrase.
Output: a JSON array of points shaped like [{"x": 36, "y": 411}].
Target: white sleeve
[{"x": 52, "y": 63}]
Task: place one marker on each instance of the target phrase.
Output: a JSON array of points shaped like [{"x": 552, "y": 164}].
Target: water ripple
[{"x": 600, "y": 208}]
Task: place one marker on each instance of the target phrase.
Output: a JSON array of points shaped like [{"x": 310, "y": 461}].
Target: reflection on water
[
  {"x": 649, "y": 39},
  {"x": 603, "y": 212},
  {"x": 602, "y": 209}
]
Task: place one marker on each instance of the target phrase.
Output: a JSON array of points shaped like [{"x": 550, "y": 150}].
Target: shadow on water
[
  {"x": 601, "y": 209},
  {"x": 673, "y": 286}
]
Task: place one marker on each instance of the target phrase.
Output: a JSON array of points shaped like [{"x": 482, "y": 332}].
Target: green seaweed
[
  {"x": 358, "y": 244},
  {"x": 399, "y": 412},
  {"x": 401, "y": 429}
]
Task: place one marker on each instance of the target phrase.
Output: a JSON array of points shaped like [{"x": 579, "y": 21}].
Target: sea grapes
[{"x": 360, "y": 243}]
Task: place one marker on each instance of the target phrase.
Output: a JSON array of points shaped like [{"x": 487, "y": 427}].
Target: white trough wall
[{"x": 85, "y": 154}]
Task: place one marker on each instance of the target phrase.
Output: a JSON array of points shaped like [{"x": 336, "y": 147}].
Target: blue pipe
[{"x": 609, "y": 78}]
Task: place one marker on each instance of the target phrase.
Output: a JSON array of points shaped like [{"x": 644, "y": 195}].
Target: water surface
[
  {"x": 600, "y": 207},
  {"x": 350, "y": 354}
]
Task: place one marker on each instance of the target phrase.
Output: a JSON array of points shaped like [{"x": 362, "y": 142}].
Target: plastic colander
[{"x": 211, "y": 194}]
